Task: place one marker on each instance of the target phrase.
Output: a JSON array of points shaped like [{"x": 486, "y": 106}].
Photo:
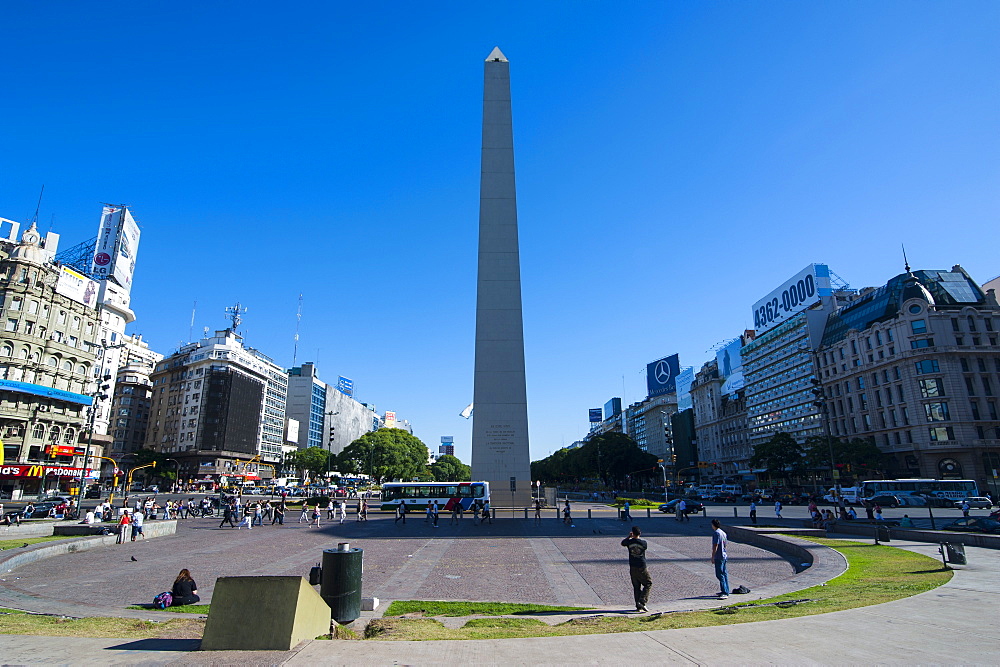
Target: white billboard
[
  {"x": 730, "y": 366},
  {"x": 796, "y": 294},
  {"x": 117, "y": 244},
  {"x": 77, "y": 286}
]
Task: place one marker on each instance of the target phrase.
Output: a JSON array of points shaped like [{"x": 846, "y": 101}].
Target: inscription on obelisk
[{"x": 500, "y": 415}]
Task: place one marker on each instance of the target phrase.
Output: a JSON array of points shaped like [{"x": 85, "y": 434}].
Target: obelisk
[{"x": 500, "y": 415}]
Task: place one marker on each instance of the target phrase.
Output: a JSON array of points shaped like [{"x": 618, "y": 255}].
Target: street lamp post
[{"x": 98, "y": 395}]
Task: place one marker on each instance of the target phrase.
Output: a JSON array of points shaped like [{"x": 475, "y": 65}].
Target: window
[
  {"x": 918, "y": 327},
  {"x": 909, "y": 437},
  {"x": 897, "y": 438},
  {"x": 954, "y": 324},
  {"x": 987, "y": 385},
  {"x": 863, "y": 401},
  {"x": 76, "y": 322},
  {"x": 861, "y": 383},
  {"x": 931, "y": 388},
  {"x": 847, "y": 386},
  {"x": 62, "y": 317},
  {"x": 15, "y": 303},
  {"x": 959, "y": 340},
  {"x": 11, "y": 325},
  {"x": 975, "y": 410},
  {"x": 922, "y": 343},
  {"x": 67, "y": 366},
  {"x": 905, "y": 414},
  {"x": 878, "y": 337},
  {"x": 899, "y": 393},
  {"x": 937, "y": 412},
  {"x": 850, "y": 404},
  {"x": 53, "y": 362},
  {"x": 868, "y": 343},
  {"x": 988, "y": 322},
  {"x": 892, "y": 418},
  {"x": 866, "y": 421},
  {"x": 888, "y": 333},
  {"x": 854, "y": 347},
  {"x": 976, "y": 340},
  {"x": 992, "y": 407},
  {"x": 972, "y": 323},
  {"x": 7, "y": 350},
  {"x": 896, "y": 371},
  {"x": 38, "y": 432},
  {"x": 32, "y": 307},
  {"x": 965, "y": 365},
  {"x": 878, "y": 398},
  {"x": 888, "y": 395},
  {"x": 942, "y": 433}
]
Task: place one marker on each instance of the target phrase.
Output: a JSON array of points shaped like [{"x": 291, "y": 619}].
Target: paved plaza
[{"x": 511, "y": 560}]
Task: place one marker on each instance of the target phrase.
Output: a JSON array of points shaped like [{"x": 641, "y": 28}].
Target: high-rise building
[
  {"x": 500, "y": 420},
  {"x": 48, "y": 353},
  {"x": 217, "y": 405},
  {"x": 914, "y": 365},
  {"x": 131, "y": 397}
]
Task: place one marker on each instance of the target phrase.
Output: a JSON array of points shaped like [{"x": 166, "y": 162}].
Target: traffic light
[
  {"x": 818, "y": 393},
  {"x": 154, "y": 464}
]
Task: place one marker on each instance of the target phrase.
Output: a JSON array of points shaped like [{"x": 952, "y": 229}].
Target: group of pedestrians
[
  {"x": 639, "y": 575},
  {"x": 480, "y": 510}
]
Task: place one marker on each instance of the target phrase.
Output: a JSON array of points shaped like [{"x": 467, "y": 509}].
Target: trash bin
[
  {"x": 341, "y": 582},
  {"x": 956, "y": 553}
]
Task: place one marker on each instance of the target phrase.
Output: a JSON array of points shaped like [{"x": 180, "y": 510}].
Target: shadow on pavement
[{"x": 158, "y": 645}]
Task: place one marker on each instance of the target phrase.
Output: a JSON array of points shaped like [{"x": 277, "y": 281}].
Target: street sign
[{"x": 513, "y": 484}]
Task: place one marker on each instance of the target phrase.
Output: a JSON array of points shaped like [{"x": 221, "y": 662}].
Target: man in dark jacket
[
  {"x": 227, "y": 515},
  {"x": 641, "y": 581}
]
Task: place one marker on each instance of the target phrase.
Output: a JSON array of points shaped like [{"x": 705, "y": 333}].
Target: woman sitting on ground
[{"x": 184, "y": 591}]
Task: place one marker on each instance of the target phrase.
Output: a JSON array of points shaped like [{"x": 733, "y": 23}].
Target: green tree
[
  {"x": 611, "y": 457},
  {"x": 781, "y": 456},
  {"x": 314, "y": 460},
  {"x": 449, "y": 468},
  {"x": 385, "y": 454}
]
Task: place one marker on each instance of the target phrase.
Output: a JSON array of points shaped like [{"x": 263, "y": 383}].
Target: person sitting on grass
[{"x": 184, "y": 590}]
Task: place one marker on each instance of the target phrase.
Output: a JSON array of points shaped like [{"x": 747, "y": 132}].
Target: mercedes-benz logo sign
[{"x": 662, "y": 371}]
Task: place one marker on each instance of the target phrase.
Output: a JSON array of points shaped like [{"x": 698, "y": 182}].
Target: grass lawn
[
  {"x": 14, "y": 544},
  {"x": 179, "y": 609},
  {"x": 438, "y": 608},
  {"x": 53, "y": 626},
  {"x": 875, "y": 574}
]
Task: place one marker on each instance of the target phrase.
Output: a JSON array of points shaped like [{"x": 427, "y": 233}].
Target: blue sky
[{"x": 675, "y": 162}]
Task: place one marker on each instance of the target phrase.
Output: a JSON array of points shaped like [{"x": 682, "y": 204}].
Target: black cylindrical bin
[
  {"x": 956, "y": 553},
  {"x": 341, "y": 585}
]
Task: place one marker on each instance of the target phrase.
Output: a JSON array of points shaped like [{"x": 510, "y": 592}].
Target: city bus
[
  {"x": 447, "y": 494},
  {"x": 952, "y": 489}
]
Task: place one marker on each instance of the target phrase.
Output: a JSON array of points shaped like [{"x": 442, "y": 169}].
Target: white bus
[
  {"x": 447, "y": 494},
  {"x": 952, "y": 489}
]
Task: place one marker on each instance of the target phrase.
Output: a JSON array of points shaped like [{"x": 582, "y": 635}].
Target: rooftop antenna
[
  {"x": 236, "y": 315},
  {"x": 906, "y": 263},
  {"x": 191, "y": 328},
  {"x": 298, "y": 319},
  {"x": 34, "y": 220}
]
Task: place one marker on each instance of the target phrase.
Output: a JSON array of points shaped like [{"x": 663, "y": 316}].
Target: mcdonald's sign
[{"x": 35, "y": 471}]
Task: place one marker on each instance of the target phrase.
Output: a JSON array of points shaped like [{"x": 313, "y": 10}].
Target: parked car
[
  {"x": 724, "y": 498},
  {"x": 976, "y": 503},
  {"x": 975, "y": 525},
  {"x": 57, "y": 499},
  {"x": 692, "y": 507}
]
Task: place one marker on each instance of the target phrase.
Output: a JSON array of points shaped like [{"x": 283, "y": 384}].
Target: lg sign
[{"x": 102, "y": 259}]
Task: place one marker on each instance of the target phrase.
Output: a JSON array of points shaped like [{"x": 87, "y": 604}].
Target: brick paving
[{"x": 511, "y": 560}]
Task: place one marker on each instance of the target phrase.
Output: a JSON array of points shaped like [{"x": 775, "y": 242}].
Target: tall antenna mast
[
  {"x": 906, "y": 262},
  {"x": 34, "y": 220},
  {"x": 236, "y": 315},
  {"x": 298, "y": 319},
  {"x": 191, "y": 328}
]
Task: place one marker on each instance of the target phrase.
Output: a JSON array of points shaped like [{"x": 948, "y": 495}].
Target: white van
[{"x": 850, "y": 494}]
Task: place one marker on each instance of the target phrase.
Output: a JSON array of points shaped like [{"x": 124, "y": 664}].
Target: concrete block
[
  {"x": 369, "y": 604},
  {"x": 263, "y": 614}
]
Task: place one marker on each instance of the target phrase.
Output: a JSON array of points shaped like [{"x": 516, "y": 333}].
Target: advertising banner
[
  {"x": 730, "y": 366},
  {"x": 596, "y": 416},
  {"x": 77, "y": 286},
  {"x": 345, "y": 386},
  {"x": 661, "y": 375},
  {"x": 796, "y": 294},
  {"x": 390, "y": 420},
  {"x": 117, "y": 243},
  {"x": 39, "y": 390},
  {"x": 684, "y": 380},
  {"x": 38, "y": 470}
]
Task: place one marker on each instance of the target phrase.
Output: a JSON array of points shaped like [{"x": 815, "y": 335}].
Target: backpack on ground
[{"x": 163, "y": 600}]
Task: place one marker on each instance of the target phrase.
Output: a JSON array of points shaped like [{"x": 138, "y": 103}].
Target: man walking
[
  {"x": 641, "y": 581},
  {"x": 626, "y": 511},
  {"x": 682, "y": 510},
  {"x": 434, "y": 513},
  {"x": 719, "y": 543},
  {"x": 401, "y": 512},
  {"x": 753, "y": 511},
  {"x": 227, "y": 515}
]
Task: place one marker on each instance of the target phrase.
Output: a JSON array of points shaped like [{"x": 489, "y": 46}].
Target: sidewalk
[{"x": 948, "y": 625}]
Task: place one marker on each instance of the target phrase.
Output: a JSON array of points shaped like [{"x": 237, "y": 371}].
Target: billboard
[
  {"x": 730, "y": 366},
  {"x": 390, "y": 420},
  {"x": 612, "y": 408},
  {"x": 796, "y": 294},
  {"x": 345, "y": 386},
  {"x": 48, "y": 392},
  {"x": 661, "y": 375},
  {"x": 684, "y": 380},
  {"x": 596, "y": 416},
  {"x": 77, "y": 286},
  {"x": 117, "y": 243}
]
